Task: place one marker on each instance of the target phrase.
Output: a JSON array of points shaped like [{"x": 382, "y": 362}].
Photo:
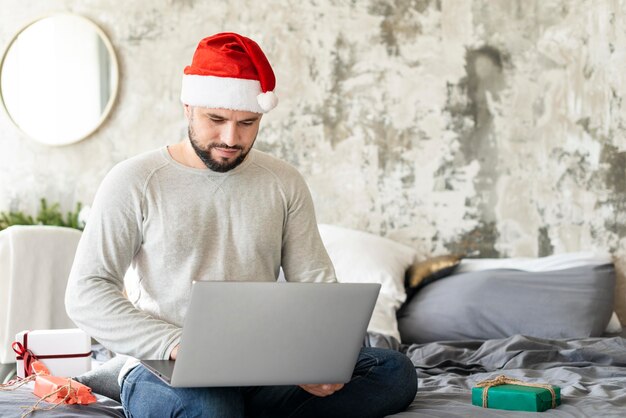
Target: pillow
[
  {"x": 383, "y": 320},
  {"x": 614, "y": 326},
  {"x": 425, "y": 272},
  {"x": 491, "y": 304},
  {"x": 552, "y": 262},
  {"x": 360, "y": 257}
]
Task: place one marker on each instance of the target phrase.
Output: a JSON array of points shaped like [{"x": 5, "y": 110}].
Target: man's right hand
[
  {"x": 322, "y": 390},
  {"x": 174, "y": 353}
]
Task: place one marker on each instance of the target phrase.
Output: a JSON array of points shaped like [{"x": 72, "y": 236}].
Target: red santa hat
[{"x": 229, "y": 71}]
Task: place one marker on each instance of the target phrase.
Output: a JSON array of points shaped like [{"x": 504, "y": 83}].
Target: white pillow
[
  {"x": 384, "y": 319},
  {"x": 361, "y": 257},
  {"x": 536, "y": 264},
  {"x": 614, "y": 326}
]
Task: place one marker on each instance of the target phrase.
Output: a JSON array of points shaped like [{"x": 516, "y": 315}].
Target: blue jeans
[{"x": 384, "y": 382}]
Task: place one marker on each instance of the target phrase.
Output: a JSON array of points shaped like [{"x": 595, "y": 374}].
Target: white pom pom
[{"x": 267, "y": 100}]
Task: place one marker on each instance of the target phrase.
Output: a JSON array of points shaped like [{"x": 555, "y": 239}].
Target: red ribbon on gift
[{"x": 23, "y": 353}]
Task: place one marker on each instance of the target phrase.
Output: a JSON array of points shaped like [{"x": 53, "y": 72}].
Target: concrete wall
[{"x": 491, "y": 127}]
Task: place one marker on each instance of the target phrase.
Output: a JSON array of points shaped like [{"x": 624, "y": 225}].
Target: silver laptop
[{"x": 269, "y": 333}]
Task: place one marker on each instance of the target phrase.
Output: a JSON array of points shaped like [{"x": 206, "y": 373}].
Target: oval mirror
[{"x": 58, "y": 79}]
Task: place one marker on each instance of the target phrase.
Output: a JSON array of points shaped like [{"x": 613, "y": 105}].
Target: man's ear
[{"x": 188, "y": 109}]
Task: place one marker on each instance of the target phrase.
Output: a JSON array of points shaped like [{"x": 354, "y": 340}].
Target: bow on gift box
[{"x": 24, "y": 354}]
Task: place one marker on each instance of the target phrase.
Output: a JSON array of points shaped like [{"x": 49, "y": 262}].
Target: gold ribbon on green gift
[{"x": 504, "y": 380}]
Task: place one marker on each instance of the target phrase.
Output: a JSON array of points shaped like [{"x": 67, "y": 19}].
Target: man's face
[{"x": 222, "y": 138}]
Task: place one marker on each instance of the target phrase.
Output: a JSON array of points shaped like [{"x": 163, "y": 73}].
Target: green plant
[{"x": 47, "y": 215}]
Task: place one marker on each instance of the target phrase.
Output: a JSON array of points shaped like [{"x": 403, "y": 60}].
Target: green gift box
[{"x": 517, "y": 398}]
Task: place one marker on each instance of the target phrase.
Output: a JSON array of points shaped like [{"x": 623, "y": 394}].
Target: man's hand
[
  {"x": 174, "y": 353},
  {"x": 322, "y": 390}
]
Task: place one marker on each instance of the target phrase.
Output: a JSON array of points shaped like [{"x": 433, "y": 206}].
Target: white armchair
[{"x": 35, "y": 262}]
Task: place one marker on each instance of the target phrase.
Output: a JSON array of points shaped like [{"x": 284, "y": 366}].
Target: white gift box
[{"x": 65, "y": 352}]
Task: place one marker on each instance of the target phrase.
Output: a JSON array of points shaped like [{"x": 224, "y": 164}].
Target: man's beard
[{"x": 209, "y": 161}]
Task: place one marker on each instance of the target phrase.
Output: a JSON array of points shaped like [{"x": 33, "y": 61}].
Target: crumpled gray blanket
[{"x": 591, "y": 373}]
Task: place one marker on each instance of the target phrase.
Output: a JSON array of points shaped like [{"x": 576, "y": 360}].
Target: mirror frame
[{"x": 116, "y": 85}]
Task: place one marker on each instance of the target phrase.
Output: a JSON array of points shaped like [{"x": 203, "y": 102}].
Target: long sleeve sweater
[{"x": 175, "y": 224}]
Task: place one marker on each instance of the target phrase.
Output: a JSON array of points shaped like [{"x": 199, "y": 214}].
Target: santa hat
[{"x": 229, "y": 71}]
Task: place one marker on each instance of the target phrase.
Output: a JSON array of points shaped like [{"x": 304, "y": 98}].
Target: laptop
[{"x": 269, "y": 333}]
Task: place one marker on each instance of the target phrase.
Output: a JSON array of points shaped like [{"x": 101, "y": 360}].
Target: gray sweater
[{"x": 176, "y": 224}]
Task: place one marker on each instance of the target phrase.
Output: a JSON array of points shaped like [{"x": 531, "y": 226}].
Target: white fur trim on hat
[{"x": 222, "y": 93}]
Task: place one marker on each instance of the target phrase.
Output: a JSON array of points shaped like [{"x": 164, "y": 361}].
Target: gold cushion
[{"x": 431, "y": 269}]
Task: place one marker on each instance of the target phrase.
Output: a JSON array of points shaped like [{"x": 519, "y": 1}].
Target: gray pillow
[{"x": 490, "y": 304}]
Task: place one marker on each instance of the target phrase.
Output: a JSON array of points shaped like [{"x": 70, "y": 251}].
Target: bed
[
  {"x": 461, "y": 321},
  {"x": 590, "y": 371},
  {"x": 458, "y": 327}
]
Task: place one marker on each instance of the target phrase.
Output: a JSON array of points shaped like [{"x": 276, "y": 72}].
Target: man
[{"x": 212, "y": 207}]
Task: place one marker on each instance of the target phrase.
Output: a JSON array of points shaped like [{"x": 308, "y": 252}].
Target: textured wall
[{"x": 496, "y": 128}]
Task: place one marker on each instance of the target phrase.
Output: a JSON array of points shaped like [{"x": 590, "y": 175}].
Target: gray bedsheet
[
  {"x": 16, "y": 402},
  {"x": 591, "y": 373}
]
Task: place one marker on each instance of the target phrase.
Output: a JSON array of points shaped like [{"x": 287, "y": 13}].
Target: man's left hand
[{"x": 322, "y": 390}]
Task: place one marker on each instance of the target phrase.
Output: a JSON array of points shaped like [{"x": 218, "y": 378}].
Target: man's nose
[{"x": 229, "y": 134}]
